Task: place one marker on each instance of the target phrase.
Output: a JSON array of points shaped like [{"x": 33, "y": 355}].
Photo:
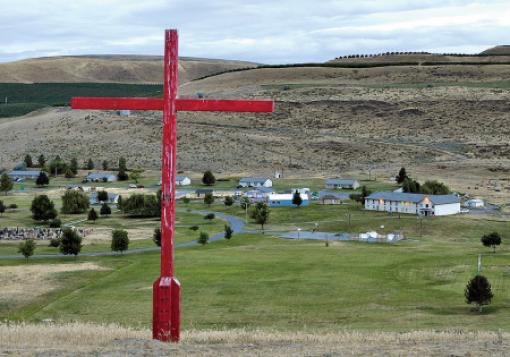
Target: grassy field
[{"x": 24, "y": 98}]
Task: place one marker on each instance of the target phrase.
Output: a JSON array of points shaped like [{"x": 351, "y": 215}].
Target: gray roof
[
  {"x": 180, "y": 178},
  {"x": 24, "y": 173},
  {"x": 337, "y": 195},
  {"x": 99, "y": 175},
  {"x": 253, "y": 179},
  {"x": 413, "y": 197},
  {"x": 338, "y": 181},
  {"x": 264, "y": 189}
]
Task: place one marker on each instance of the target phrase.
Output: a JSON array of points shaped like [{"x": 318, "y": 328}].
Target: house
[
  {"x": 332, "y": 198},
  {"x": 17, "y": 175},
  {"x": 474, "y": 203},
  {"x": 101, "y": 177},
  {"x": 255, "y": 182},
  {"x": 342, "y": 183},
  {"x": 303, "y": 191},
  {"x": 413, "y": 203},
  {"x": 182, "y": 180},
  {"x": 112, "y": 199},
  {"x": 285, "y": 200},
  {"x": 201, "y": 192}
]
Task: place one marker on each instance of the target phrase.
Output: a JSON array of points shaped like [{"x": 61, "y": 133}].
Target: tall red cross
[{"x": 166, "y": 289}]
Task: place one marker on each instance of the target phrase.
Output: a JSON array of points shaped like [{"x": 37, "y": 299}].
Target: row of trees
[
  {"x": 73, "y": 165},
  {"x": 412, "y": 186}
]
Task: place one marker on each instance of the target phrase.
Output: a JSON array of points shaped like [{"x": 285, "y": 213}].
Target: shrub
[
  {"x": 228, "y": 232},
  {"x": 54, "y": 242},
  {"x": 208, "y": 199},
  {"x": 194, "y": 228},
  {"x": 92, "y": 216},
  {"x": 42, "y": 179},
  {"x": 156, "y": 237},
  {"x": 102, "y": 196},
  {"x": 140, "y": 205},
  {"x": 105, "y": 210},
  {"x": 203, "y": 238},
  {"x": 70, "y": 243},
  {"x": 74, "y": 202},
  {"x": 55, "y": 223},
  {"x": 229, "y": 201},
  {"x": 120, "y": 240},
  {"x": 27, "y": 248},
  {"x": 209, "y": 216},
  {"x": 208, "y": 179}
]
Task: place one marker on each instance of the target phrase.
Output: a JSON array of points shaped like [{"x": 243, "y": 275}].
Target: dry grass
[
  {"x": 85, "y": 339},
  {"x": 23, "y": 283}
]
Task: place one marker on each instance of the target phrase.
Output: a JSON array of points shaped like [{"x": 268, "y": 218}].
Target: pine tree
[
  {"x": 92, "y": 216},
  {"x": 41, "y": 160},
  {"x": 105, "y": 165},
  {"x": 402, "y": 175},
  {"x": 2, "y": 207},
  {"x": 203, "y": 238},
  {"x": 105, "y": 210},
  {"x": 209, "y": 199},
  {"x": 90, "y": 165},
  {"x": 73, "y": 166},
  {"x": 208, "y": 179},
  {"x": 296, "y": 199},
  {"x": 156, "y": 237},
  {"x": 228, "y": 231},
  {"x": 42, "y": 179},
  {"x": 28, "y": 160},
  {"x": 478, "y": 291},
  {"x": 122, "y": 164}
]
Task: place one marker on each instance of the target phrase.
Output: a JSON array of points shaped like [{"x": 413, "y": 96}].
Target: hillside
[
  {"x": 108, "y": 69},
  {"x": 498, "y": 50}
]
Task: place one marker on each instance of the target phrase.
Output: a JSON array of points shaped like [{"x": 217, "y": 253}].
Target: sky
[{"x": 263, "y": 31}]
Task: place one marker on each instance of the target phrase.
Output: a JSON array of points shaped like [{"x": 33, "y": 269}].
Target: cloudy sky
[{"x": 265, "y": 31}]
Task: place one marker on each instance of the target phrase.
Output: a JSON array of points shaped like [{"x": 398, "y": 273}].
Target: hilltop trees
[
  {"x": 74, "y": 202},
  {"x": 43, "y": 209},
  {"x": 491, "y": 240},
  {"x": 5, "y": 183},
  {"x": 478, "y": 291},
  {"x": 208, "y": 179}
]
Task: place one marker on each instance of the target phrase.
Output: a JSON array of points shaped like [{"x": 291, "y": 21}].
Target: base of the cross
[{"x": 166, "y": 305}]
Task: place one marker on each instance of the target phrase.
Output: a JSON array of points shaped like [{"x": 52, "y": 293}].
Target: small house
[
  {"x": 201, "y": 192},
  {"x": 101, "y": 177},
  {"x": 17, "y": 175},
  {"x": 338, "y": 183},
  {"x": 285, "y": 200},
  {"x": 182, "y": 180},
  {"x": 332, "y": 198},
  {"x": 255, "y": 182}
]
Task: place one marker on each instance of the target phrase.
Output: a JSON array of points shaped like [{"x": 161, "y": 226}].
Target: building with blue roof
[{"x": 413, "y": 203}]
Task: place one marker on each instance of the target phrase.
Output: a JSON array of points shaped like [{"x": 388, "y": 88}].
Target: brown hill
[
  {"x": 497, "y": 50},
  {"x": 108, "y": 69}
]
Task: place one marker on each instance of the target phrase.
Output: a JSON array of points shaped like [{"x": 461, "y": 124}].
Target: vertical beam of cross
[{"x": 166, "y": 289}]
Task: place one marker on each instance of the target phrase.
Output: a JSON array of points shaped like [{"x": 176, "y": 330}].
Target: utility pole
[{"x": 479, "y": 267}]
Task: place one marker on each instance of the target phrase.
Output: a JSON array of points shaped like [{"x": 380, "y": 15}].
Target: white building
[
  {"x": 24, "y": 174},
  {"x": 474, "y": 203},
  {"x": 413, "y": 203},
  {"x": 342, "y": 183},
  {"x": 255, "y": 182},
  {"x": 101, "y": 177},
  {"x": 285, "y": 200},
  {"x": 182, "y": 180}
]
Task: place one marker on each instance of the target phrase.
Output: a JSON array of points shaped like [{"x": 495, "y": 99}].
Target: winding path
[{"x": 236, "y": 223}]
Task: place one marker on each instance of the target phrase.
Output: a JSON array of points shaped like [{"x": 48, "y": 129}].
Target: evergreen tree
[
  {"x": 73, "y": 166},
  {"x": 68, "y": 173},
  {"x": 92, "y": 216},
  {"x": 203, "y": 238},
  {"x": 122, "y": 175},
  {"x": 26, "y": 248},
  {"x": 74, "y": 202},
  {"x": 120, "y": 240},
  {"x": 42, "y": 179},
  {"x": 402, "y": 175},
  {"x": 229, "y": 201},
  {"x": 41, "y": 160},
  {"x": 208, "y": 179},
  {"x": 491, "y": 240},
  {"x": 70, "y": 243},
  {"x": 43, "y": 209},
  {"x": 122, "y": 164},
  {"x": 90, "y": 165},
  {"x": 208, "y": 199},
  {"x": 105, "y": 165},
  {"x": 478, "y": 291},
  {"x": 260, "y": 213},
  {"x": 102, "y": 196},
  {"x": 360, "y": 197},
  {"x": 296, "y": 199},
  {"x": 2, "y": 207},
  {"x": 28, "y": 160},
  {"x": 156, "y": 237},
  {"x": 5, "y": 183},
  {"x": 228, "y": 231},
  {"x": 136, "y": 174},
  {"x": 105, "y": 210}
]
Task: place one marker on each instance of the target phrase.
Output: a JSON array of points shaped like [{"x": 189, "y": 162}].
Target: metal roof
[
  {"x": 100, "y": 175},
  {"x": 180, "y": 178},
  {"x": 24, "y": 173},
  {"x": 253, "y": 179},
  {"x": 413, "y": 197},
  {"x": 339, "y": 181}
]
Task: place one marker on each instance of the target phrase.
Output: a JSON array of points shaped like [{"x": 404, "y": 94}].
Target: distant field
[{"x": 25, "y": 98}]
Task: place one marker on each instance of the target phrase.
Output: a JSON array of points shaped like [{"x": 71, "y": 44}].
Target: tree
[
  {"x": 43, "y": 209},
  {"x": 203, "y": 238},
  {"x": 27, "y": 248},
  {"x": 55, "y": 223},
  {"x": 122, "y": 164},
  {"x": 208, "y": 199},
  {"x": 260, "y": 214},
  {"x": 70, "y": 243},
  {"x": 402, "y": 175},
  {"x": 228, "y": 231},
  {"x": 5, "y": 183},
  {"x": 360, "y": 197},
  {"x": 57, "y": 166},
  {"x": 210, "y": 217},
  {"x": 296, "y": 199},
  {"x": 2, "y": 207},
  {"x": 410, "y": 186},
  {"x": 105, "y": 210},
  {"x": 122, "y": 175},
  {"x": 42, "y": 179},
  {"x": 28, "y": 160},
  {"x": 140, "y": 205},
  {"x": 229, "y": 201},
  {"x": 90, "y": 165},
  {"x": 120, "y": 240},
  {"x": 136, "y": 174},
  {"x": 41, "y": 160},
  {"x": 208, "y": 179},
  {"x": 185, "y": 200},
  {"x": 68, "y": 173},
  {"x": 434, "y": 188},
  {"x": 74, "y": 202},
  {"x": 491, "y": 240},
  {"x": 92, "y": 216},
  {"x": 73, "y": 166},
  {"x": 102, "y": 196},
  {"x": 478, "y": 291},
  {"x": 104, "y": 164},
  {"x": 156, "y": 237},
  {"x": 245, "y": 203}
]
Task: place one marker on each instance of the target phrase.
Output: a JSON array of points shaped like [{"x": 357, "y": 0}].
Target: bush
[
  {"x": 12, "y": 206},
  {"x": 120, "y": 240},
  {"x": 209, "y": 216},
  {"x": 140, "y": 205},
  {"x": 208, "y": 199},
  {"x": 122, "y": 175},
  {"x": 203, "y": 238},
  {"x": 185, "y": 200},
  {"x": 55, "y": 223},
  {"x": 74, "y": 202},
  {"x": 102, "y": 196},
  {"x": 229, "y": 201},
  {"x": 194, "y": 228},
  {"x": 42, "y": 179},
  {"x": 228, "y": 232},
  {"x": 208, "y": 179},
  {"x": 70, "y": 243},
  {"x": 156, "y": 237},
  {"x": 54, "y": 242},
  {"x": 105, "y": 210}
]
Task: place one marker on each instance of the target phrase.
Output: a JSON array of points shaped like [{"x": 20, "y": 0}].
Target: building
[
  {"x": 342, "y": 183},
  {"x": 112, "y": 198},
  {"x": 17, "y": 175},
  {"x": 285, "y": 200},
  {"x": 255, "y": 182},
  {"x": 332, "y": 198},
  {"x": 182, "y": 180},
  {"x": 201, "y": 192},
  {"x": 474, "y": 203},
  {"x": 101, "y": 177},
  {"x": 413, "y": 203}
]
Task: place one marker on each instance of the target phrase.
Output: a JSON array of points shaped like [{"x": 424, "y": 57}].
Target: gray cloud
[{"x": 263, "y": 31}]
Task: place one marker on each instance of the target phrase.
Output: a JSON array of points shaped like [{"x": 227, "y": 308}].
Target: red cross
[{"x": 166, "y": 289}]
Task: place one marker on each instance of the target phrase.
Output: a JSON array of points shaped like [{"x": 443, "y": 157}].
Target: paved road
[{"x": 237, "y": 225}]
